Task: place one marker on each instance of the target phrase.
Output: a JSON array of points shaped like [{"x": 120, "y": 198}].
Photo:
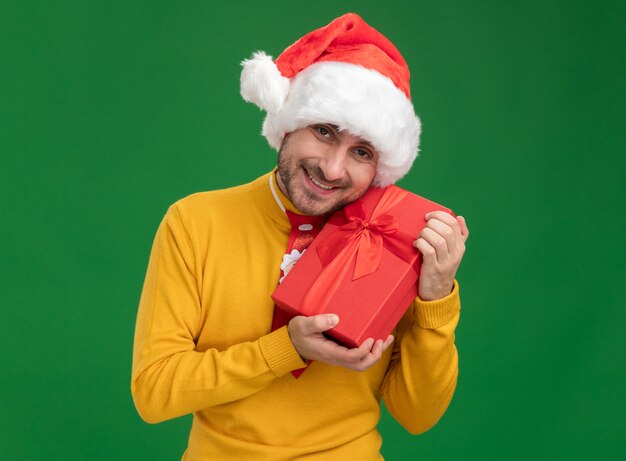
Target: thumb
[{"x": 321, "y": 322}]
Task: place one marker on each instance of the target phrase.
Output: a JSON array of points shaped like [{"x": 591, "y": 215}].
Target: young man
[{"x": 207, "y": 339}]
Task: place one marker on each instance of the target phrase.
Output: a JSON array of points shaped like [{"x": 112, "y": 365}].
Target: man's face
[{"x": 322, "y": 169}]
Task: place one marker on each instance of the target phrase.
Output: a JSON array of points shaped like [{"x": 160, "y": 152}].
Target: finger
[
  {"x": 438, "y": 242},
  {"x": 463, "y": 228},
  {"x": 451, "y": 233},
  {"x": 441, "y": 216},
  {"x": 359, "y": 353},
  {"x": 339, "y": 355},
  {"x": 383, "y": 345},
  {"x": 370, "y": 359},
  {"x": 377, "y": 349},
  {"x": 317, "y": 323},
  {"x": 374, "y": 356},
  {"x": 333, "y": 353},
  {"x": 429, "y": 254},
  {"x": 360, "y": 358}
]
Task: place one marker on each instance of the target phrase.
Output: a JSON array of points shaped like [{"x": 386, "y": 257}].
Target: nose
[{"x": 333, "y": 163}]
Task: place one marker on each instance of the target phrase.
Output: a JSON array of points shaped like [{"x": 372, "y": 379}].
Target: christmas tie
[{"x": 303, "y": 230}]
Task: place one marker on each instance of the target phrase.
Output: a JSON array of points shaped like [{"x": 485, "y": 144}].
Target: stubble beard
[{"x": 304, "y": 200}]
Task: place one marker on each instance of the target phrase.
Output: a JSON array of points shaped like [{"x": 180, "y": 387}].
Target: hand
[
  {"x": 306, "y": 336},
  {"x": 442, "y": 243}
]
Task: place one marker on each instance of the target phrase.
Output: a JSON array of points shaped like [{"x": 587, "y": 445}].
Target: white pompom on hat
[{"x": 346, "y": 74}]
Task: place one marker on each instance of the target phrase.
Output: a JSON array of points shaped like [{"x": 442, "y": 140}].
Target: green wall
[{"x": 110, "y": 111}]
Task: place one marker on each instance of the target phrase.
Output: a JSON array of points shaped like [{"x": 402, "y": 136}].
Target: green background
[{"x": 110, "y": 111}]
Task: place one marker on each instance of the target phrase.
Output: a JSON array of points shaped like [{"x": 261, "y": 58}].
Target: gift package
[{"x": 362, "y": 266}]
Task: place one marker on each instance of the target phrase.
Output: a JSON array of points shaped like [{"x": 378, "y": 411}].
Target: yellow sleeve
[
  {"x": 169, "y": 377},
  {"x": 422, "y": 374}
]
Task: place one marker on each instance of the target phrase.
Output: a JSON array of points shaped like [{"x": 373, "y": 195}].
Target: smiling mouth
[{"x": 318, "y": 183}]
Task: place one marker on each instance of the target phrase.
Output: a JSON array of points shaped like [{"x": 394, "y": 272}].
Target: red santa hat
[{"x": 346, "y": 74}]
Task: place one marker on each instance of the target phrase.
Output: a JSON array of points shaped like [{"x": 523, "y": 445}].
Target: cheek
[
  {"x": 364, "y": 176},
  {"x": 310, "y": 148}
]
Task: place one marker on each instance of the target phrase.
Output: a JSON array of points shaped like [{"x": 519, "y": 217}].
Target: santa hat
[{"x": 346, "y": 74}]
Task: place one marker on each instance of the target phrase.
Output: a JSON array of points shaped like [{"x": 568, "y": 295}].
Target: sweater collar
[
  {"x": 282, "y": 202},
  {"x": 270, "y": 202}
]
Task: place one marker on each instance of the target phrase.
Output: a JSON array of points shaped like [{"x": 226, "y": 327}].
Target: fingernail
[{"x": 333, "y": 320}]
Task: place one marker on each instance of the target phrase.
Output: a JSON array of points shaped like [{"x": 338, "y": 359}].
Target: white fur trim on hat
[
  {"x": 262, "y": 83},
  {"x": 358, "y": 100}
]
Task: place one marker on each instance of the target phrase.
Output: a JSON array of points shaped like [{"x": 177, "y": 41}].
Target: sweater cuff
[
  {"x": 279, "y": 352},
  {"x": 434, "y": 314}
]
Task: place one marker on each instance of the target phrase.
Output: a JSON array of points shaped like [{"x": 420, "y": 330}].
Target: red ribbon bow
[
  {"x": 358, "y": 238},
  {"x": 355, "y": 236}
]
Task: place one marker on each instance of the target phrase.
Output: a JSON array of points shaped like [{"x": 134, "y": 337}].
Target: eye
[
  {"x": 364, "y": 153},
  {"x": 322, "y": 130}
]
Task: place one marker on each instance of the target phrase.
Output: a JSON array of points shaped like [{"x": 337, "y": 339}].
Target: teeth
[{"x": 319, "y": 184}]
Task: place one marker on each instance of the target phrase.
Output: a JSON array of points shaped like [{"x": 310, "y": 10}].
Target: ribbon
[{"x": 359, "y": 238}]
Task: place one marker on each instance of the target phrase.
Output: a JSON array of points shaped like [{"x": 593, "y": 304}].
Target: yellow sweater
[{"x": 203, "y": 345}]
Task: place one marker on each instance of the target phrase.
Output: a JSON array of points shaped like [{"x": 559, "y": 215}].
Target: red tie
[{"x": 303, "y": 230}]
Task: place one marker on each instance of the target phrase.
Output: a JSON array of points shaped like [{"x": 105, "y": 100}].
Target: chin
[
  {"x": 314, "y": 209},
  {"x": 319, "y": 206}
]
